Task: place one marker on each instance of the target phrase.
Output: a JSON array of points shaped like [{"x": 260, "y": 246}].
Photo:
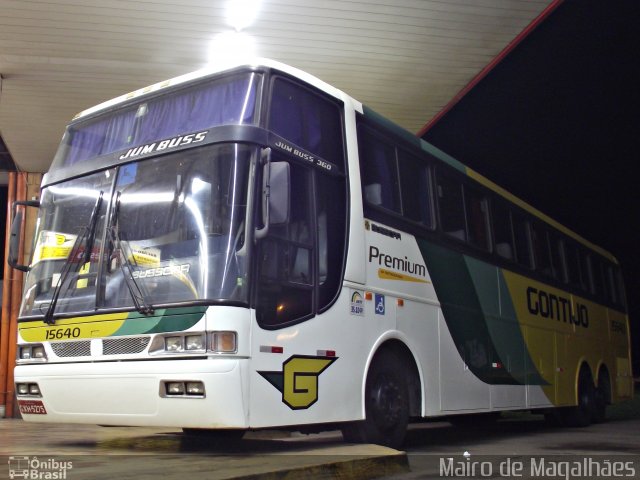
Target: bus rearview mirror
[
  {"x": 279, "y": 193},
  {"x": 14, "y": 236}
]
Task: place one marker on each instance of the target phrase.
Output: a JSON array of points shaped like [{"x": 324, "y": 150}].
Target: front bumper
[{"x": 130, "y": 393}]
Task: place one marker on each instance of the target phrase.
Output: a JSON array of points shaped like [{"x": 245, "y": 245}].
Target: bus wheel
[
  {"x": 581, "y": 414},
  {"x": 601, "y": 398},
  {"x": 386, "y": 405}
]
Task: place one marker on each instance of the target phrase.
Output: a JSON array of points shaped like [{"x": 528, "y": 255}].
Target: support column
[{"x": 22, "y": 186}]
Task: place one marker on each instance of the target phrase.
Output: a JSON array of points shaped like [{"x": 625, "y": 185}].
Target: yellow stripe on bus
[
  {"x": 73, "y": 328},
  {"x": 390, "y": 275}
]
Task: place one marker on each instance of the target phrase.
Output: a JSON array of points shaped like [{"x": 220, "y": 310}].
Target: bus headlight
[
  {"x": 38, "y": 351},
  {"x": 32, "y": 352},
  {"x": 194, "y": 342},
  {"x": 173, "y": 344}
]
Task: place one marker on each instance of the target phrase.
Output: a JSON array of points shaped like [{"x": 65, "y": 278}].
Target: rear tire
[
  {"x": 386, "y": 405},
  {"x": 582, "y": 414},
  {"x": 601, "y": 397}
]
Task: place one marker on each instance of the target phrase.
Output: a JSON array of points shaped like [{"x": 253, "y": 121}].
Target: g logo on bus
[{"x": 298, "y": 380}]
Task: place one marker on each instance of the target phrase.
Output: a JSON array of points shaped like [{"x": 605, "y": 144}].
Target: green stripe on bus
[
  {"x": 489, "y": 340},
  {"x": 165, "y": 320}
]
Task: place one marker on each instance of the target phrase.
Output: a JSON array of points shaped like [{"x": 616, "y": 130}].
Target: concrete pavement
[{"x": 95, "y": 452}]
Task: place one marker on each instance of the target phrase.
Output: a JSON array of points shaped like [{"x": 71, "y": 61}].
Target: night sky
[{"x": 557, "y": 122}]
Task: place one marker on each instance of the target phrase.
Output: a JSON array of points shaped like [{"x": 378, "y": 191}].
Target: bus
[{"x": 250, "y": 248}]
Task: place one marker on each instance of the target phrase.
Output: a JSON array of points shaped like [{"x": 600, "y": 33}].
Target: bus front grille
[
  {"x": 72, "y": 349},
  {"x": 120, "y": 346},
  {"x": 110, "y": 346}
]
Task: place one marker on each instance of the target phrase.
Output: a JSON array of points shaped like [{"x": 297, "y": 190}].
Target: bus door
[{"x": 298, "y": 275}]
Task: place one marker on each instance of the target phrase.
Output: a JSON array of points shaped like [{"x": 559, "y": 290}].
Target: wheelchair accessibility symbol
[{"x": 379, "y": 304}]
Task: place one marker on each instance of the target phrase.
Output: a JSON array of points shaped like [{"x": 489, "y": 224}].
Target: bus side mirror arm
[
  {"x": 276, "y": 194},
  {"x": 265, "y": 161},
  {"x": 14, "y": 238}
]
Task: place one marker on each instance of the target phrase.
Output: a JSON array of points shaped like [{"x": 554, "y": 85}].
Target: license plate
[{"x": 32, "y": 407}]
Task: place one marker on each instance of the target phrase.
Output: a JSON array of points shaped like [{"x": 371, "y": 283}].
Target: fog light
[
  {"x": 195, "y": 388},
  {"x": 224, "y": 342},
  {"x": 194, "y": 342},
  {"x": 173, "y": 344},
  {"x": 22, "y": 388},
  {"x": 34, "y": 389},
  {"x": 175, "y": 388},
  {"x": 38, "y": 352}
]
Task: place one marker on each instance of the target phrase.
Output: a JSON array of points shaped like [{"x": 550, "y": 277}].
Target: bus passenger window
[
  {"x": 503, "y": 236},
  {"x": 451, "y": 208},
  {"x": 572, "y": 260},
  {"x": 416, "y": 189},
  {"x": 556, "y": 258},
  {"x": 522, "y": 240},
  {"x": 477, "y": 214},
  {"x": 379, "y": 172},
  {"x": 615, "y": 287},
  {"x": 541, "y": 251}
]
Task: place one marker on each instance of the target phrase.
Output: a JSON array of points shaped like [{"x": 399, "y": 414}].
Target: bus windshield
[{"x": 170, "y": 229}]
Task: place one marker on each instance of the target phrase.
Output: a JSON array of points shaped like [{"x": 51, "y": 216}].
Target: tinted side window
[
  {"x": 502, "y": 233},
  {"x": 306, "y": 119},
  {"x": 556, "y": 258},
  {"x": 379, "y": 171},
  {"x": 416, "y": 189},
  {"x": 331, "y": 223},
  {"x": 285, "y": 259},
  {"x": 451, "y": 207},
  {"x": 572, "y": 261},
  {"x": 477, "y": 213},
  {"x": 541, "y": 250},
  {"x": 522, "y": 240}
]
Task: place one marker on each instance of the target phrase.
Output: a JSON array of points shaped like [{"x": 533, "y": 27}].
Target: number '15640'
[{"x": 62, "y": 333}]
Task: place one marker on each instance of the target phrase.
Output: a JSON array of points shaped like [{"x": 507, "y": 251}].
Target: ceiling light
[{"x": 242, "y": 13}]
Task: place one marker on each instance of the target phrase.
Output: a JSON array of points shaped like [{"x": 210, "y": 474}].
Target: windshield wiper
[
  {"x": 135, "y": 290},
  {"x": 88, "y": 235}
]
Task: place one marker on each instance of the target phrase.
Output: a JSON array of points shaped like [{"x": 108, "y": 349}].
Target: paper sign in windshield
[{"x": 53, "y": 246}]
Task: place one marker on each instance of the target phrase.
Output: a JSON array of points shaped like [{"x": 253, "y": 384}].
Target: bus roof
[{"x": 211, "y": 70}]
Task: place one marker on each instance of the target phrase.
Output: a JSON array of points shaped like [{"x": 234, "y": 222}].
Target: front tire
[{"x": 386, "y": 405}]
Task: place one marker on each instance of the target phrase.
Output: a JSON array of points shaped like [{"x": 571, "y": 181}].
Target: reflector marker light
[
  {"x": 271, "y": 349},
  {"x": 326, "y": 353}
]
